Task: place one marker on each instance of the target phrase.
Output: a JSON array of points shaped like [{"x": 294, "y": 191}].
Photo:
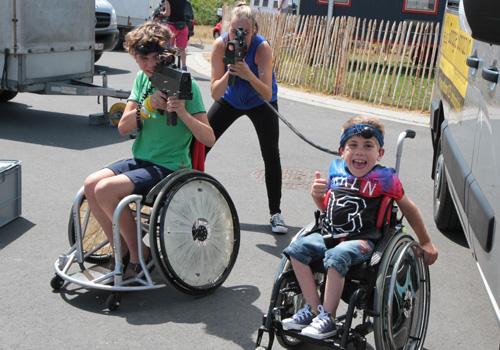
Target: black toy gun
[
  {"x": 236, "y": 50},
  {"x": 173, "y": 82},
  {"x": 157, "y": 12}
]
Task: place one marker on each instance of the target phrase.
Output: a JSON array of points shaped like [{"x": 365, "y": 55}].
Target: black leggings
[{"x": 221, "y": 115}]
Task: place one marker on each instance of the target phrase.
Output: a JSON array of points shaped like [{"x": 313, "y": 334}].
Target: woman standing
[{"x": 232, "y": 100}]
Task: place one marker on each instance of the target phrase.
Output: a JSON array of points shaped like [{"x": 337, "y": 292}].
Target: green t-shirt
[{"x": 168, "y": 146}]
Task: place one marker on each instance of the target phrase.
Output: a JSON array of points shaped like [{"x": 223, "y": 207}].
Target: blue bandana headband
[
  {"x": 145, "y": 50},
  {"x": 365, "y": 130}
]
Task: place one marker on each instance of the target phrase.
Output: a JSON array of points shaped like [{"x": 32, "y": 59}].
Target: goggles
[
  {"x": 366, "y": 130},
  {"x": 147, "y": 49}
]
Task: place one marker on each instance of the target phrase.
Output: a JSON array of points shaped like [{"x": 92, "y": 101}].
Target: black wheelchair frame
[{"x": 391, "y": 291}]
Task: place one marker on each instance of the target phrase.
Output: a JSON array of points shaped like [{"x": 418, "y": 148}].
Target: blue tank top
[{"x": 241, "y": 95}]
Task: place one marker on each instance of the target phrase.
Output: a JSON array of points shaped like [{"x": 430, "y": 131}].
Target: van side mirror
[{"x": 483, "y": 17}]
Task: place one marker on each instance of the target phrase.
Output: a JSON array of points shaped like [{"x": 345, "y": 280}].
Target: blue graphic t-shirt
[{"x": 352, "y": 202}]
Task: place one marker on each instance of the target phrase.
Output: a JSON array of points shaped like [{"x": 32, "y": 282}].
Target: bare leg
[
  {"x": 333, "y": 291},
  {"x": 182, "y": 52},
  {"x": 307, "y": 283},
  {"x": 104, "y": 220},
  {"x": 107, "y": 192}
]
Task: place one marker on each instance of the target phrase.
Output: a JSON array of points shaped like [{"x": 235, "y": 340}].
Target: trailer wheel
[
  {"x": 6, "y": 95},
  {"x": 116, "y": 112}
]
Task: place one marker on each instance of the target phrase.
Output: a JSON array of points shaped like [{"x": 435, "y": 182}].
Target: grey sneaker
[
  {"x": 300, "y": 320},
  {"x": 278, "y": 224},
  {"x": 323, "y": 326}
]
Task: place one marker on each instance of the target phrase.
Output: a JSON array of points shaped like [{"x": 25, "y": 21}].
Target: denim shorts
[
  {"x": 143, "y": 174},
  {"x": 311, "y": 248}
]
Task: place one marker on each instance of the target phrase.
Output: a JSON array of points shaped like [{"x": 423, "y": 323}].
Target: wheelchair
[
  {"x": 390, "y": 293},
  {"x": 193, "y": 231}
]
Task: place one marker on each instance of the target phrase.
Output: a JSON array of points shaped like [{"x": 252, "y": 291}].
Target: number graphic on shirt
[{"x": 351, "y": 208}]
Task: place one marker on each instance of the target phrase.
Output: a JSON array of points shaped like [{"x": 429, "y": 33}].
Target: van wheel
[
  {"x": 6, "y": 95},
  {"x": 97, "y": 55},
  {"x": 445, "y": 214}
]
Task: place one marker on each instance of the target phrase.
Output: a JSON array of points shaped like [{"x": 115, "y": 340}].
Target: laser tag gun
[
  {"x": 236, "y": 50},
  {"x": 172, "y": 81},
  {"x": 158, "y": 10}
]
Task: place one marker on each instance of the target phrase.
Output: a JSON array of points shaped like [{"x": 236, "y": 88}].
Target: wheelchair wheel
[
  {"x": 195, "y": 233},
  {"x": 402, "y": 296},
  {"x": 93, "y": 236}
]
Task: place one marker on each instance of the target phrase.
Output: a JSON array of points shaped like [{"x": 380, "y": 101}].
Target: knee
[
  {"x": 89, "y": 185},
  {"x": 95, "y": 188}
]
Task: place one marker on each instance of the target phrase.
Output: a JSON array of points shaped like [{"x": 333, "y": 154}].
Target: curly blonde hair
[{"x": 148, "y": 33}]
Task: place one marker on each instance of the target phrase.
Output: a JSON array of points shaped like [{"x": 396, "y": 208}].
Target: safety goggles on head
[
  {"x": 365, "y": 130},
  {"x": 147, "y": 49}
]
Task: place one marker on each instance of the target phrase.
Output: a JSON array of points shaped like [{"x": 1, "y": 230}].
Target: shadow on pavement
[
  {"x": 21, "y": 123},
  {"x": 226, "y": 306},
  {"x": 457, "y": 237},
  {"x": 14, "y": 230}
]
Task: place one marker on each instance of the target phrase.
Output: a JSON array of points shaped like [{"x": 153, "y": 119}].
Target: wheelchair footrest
[{"x": 330, "y": 342}]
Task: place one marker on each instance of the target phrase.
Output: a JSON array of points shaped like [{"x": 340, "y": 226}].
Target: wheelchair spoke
[{"x": 197, "y": 235}]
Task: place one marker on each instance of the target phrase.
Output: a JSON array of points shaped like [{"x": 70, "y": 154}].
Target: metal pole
[{"x": 330, "y": 10}]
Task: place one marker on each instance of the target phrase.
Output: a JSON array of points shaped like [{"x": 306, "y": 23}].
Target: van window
[{"x": 421, "y": 6}]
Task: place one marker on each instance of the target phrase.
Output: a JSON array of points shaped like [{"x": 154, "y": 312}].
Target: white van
[
  {"x": 106, "y": 28},
  {"x": 465, "y": 129}
]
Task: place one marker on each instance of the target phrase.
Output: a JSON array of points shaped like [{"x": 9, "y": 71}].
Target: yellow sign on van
[{"x": 456, "y": 46}]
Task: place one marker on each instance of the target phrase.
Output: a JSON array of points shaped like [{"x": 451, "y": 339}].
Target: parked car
[
  {"x": 465, "y": 130},
  {"x": 217, "y": 29},
  {"x": 106, "y": 28}
]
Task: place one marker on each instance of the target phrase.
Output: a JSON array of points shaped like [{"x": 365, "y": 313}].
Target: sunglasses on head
[
  {"x": 147, "y": 49},
  {"x": 365, "y": 130}
]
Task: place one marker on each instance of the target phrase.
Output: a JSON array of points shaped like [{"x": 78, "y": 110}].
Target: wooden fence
[{"x": 385, "y": 63}]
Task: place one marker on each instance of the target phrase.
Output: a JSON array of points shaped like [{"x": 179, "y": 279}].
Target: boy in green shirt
[{"x": 159, "y": 149}]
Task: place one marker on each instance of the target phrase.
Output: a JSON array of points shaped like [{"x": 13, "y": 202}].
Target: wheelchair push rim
[
  {"x": 195, "y": 239},
  {"x": 402, "y": 297}
]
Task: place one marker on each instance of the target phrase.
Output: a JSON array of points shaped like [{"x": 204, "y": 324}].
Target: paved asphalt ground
[{"x": 58, "y": 148}]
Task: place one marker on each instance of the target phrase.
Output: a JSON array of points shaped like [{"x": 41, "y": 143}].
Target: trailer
[
  {"x": 131, "y": 13},
  {"x": 46, "y": 51}
]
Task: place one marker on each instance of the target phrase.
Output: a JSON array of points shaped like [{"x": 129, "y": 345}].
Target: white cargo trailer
[
  {"x": 47, "y": 47},
  {"x": 131, "y": 13}
]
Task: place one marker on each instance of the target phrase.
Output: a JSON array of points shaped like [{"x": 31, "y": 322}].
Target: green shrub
[{"x": 205, "y": 11}]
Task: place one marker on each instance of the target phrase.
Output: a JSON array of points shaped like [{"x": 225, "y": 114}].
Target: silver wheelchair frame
[
  {"x": 391, "y": 291},
  {"x": 210, "y": 223}
]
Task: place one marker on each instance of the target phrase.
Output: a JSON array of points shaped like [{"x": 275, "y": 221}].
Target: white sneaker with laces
[
  {"x": 322, "y": 326},
  {"x": 278, "y": 224},
  {"x": 300, "y": 320}
]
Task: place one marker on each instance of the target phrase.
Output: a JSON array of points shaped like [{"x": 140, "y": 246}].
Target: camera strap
[{"x": 287, "y": 123}]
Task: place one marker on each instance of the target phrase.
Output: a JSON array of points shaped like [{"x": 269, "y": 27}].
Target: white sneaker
[
  {"x": 278, "y": 224},
  {"x": 322, "y": 327},
  {"x": 300, "y": 320}
]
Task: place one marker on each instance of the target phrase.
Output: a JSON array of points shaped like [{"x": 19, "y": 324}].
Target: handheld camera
[
  {"x": 172, "y": 81},
  {"x": 236, "y": 50},
  {"x": 158, "y": 10}
]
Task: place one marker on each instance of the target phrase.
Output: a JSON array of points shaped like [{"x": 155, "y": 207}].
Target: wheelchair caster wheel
[
  {"x": 113, "y": 301},
  {"x": 56, "y": 282},
  {"x": 360, "y": 344}
]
